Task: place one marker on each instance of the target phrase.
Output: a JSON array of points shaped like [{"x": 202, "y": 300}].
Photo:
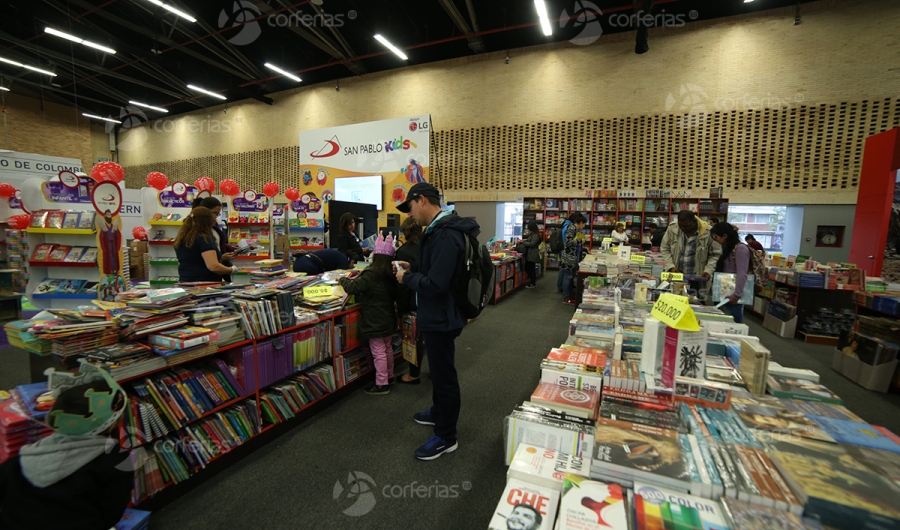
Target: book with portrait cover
[{"x": 525, "y": 505}]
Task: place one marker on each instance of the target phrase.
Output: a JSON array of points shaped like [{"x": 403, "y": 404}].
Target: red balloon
[
  {"x": 19, "y": 222},
  {"x": 7, "y": 190},
  {"x": 229, "y": 187},
  {"x": 157, "y": 180},
  {"x": 110, "y": 171},
  {"x": 139, "y": 232},
  {"x": 292, "y": 194},
  {"x": 271, "y": 189},
  {"x": 205, "y": 184}
]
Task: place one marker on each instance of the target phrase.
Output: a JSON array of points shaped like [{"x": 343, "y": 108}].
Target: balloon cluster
[
  {"x": 157, "y": 180},
  {"x": 229, "y": 187},
  {"x": 205, "y": 184},
  {"x": 107, "y": 171},
  {"x": 271, "y": 189}
]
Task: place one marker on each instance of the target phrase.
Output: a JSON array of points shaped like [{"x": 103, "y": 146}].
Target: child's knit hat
[{"x": 385, "y": 246}]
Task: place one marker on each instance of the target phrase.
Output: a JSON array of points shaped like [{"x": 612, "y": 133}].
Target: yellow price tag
[
  {"x": 317, "y": 291},
  {"x": 675, "y": 312},
  {"x": 607, "y": 240},
  {"x": 672, "y": 277},
  {"x": 641, "y": 259}
]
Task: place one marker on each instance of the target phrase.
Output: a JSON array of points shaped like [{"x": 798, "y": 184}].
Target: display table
[{"x": 509, "y": 276}]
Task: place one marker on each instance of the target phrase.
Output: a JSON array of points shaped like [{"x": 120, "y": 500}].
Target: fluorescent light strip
[
  {"x": 79, "y": 40},
  {"x": 283, "y": 72},
  {"x": 148, "y": 106},
  {"x": 169, "y": 8},
  {"x": 14, "y": 63},
  {"x": 542, "y": 14},
  {"x": 100, "y": 117},
  {"x": 3, "y": 88},
  {"x": 391, "y": 47},
  {"x": 45, "y": 72},
  {"x": 207, "y": 92}
]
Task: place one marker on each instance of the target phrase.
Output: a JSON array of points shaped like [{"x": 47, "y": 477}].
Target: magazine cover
[{"x": 525, "y": 506}]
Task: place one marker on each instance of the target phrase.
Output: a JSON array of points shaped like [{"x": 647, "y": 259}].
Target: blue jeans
[
  {"x": 736, "y": 311},
  {"x": 567, "y": 280},
  {"x": 440, "y": 346},
  {"x": 559, "y": 280}
]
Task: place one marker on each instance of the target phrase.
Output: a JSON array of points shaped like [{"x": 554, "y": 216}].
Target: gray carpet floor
[{"x": 302, "y": 479}]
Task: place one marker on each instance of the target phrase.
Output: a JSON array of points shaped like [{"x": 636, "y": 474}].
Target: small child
[
  {"x": 377, "y": 286},
  {"x": 76, "y": 478}
]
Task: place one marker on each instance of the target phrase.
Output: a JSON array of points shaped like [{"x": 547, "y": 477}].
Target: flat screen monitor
[{"x": 364, "y": 190}]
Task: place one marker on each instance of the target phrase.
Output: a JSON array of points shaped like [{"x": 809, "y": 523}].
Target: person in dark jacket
[
  {"x": 571, "y": 255},
  {"x": 532, "y": 245},
  {"x": 348, "y": 242},
  {"x": 406, "y": 297},
  {"x": 378, "y": 323},
  {"x": 439, "y": 317},
  {"x": 76, "y": 478},
  {"x": 314, "y": 262},
  {"x": 215, "y": 206},
  {"x": 656, "y": 235}
]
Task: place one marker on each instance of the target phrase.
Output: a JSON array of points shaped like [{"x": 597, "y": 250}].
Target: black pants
[
  {"x": 445, "y": 396},
  {"x": 416, "y": 369},
  {"x": 531, "y": 271}
]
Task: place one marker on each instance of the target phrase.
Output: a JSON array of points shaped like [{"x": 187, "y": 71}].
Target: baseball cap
[{"x": 422, "y": 189}]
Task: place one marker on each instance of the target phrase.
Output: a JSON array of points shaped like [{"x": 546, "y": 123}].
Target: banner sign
[
  {"x": 261, "y": 204},
  {"x": 171, "y": 199},
  {"x": 19, "y": 166},
  {"x": 398, "y": 149},
  {"x": 56, "y": 191}
]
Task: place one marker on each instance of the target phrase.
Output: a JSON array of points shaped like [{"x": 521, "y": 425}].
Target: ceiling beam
[
  {"x": 472, "y": 17},
  {"x": 476, "y": 43}
]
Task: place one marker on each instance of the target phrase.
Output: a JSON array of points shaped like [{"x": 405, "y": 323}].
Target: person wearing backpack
[
  {"x": 570, "y": 255},
  {"x": 735, "y": 258},
  {"x": 442, "y": 261},
  {"x": 532, "y": 246}
]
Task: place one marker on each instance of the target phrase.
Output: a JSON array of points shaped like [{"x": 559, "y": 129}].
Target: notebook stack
[
  {"x": 183, "y": 344},
  {"x": 126, "y": 359},
  {"x": 17, "y": 429}
]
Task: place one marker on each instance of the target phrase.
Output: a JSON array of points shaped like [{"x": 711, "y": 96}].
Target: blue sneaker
[
  {"x": 424, "y": 418},
  {"x": 435, "y": 447}
]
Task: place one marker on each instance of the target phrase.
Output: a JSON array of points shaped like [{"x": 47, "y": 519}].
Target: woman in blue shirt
[{"x": 197, "y": 249}]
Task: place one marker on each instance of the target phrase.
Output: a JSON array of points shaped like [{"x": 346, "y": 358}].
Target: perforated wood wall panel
[{"x": 807, "y": 149}]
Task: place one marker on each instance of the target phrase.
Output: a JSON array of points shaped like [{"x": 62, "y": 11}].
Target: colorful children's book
[
  {"x": 55, "y": 219},
  {"x": 48, "y": 286},
  {"x": 38, "y": 218},
  {"x": 71, "y": 220},
  {"x": 253, "y": 218},
  {"x": 86, "y": 220},
  {"x": 60, "y": 252},
  {"x": 234, "y": 217},
  {"x": 89, "y": 288},
  {"x": 657, "y": 507},
  {"x": 156, "y": 217},
  {"x": 42, "y": 252},
  {"x": 71, "y": 286},
  {"x": 75, "y": 254},
  {"x": 234, "y": 235},
  {"x": 89, "y": 256}
]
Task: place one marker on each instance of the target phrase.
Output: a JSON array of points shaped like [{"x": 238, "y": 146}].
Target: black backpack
[
  {"x": 557, "y": 240},
  {"x": 472, "y": 287}
]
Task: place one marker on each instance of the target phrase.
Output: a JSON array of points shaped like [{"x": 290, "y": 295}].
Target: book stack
[
  {"x": 70, "y": 341},
  {"x": 286, "y": 399},
  {"x": 643, "y": 413},
  {"x": 184, "y": 344},
  {"x": 18, "y": 335},
  {"x": 549, "y": 428},
  {"x": 624, "y": 374},
  {"x": 787, "y": 387},
  {"x": 215, "y": 311},
  {"x": 134, "y": 520},
  {"x": 17, "y": 428},
  {"x": 126, "y": 360},
  {"x": 260, "y": 313},
  {"x": 579, "y": 369},
  {"x": 349, "y": 367},
  {"x": 269, "y": 270},
  {"x": 580, "y": 403},
  {"x": 625, "y": 456},
  {"x": 754, "y": 365},
  {"x": 312, "y": 346},
  {"x": 659, "y": 507}
]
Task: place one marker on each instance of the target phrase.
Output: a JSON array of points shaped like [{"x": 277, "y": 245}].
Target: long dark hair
[
  {"x": 732, "y": 240},
  {"x": 533, "y": 228},
  {"x": 346, "y": 219},
  {"x": 411, "y": 231},
  {"x": 382, "y": 267},
  {"x": 206, "y": 202},
  {"x": 199, "y": 224}
]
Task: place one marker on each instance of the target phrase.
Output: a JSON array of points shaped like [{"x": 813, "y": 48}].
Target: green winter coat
[{"x": 377, "y": 295}]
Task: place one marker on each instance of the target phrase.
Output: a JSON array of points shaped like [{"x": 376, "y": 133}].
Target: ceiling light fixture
[
  {"x": 178, "y": 12},
  {"x": 100, "y": 117},
  {"x": 138, "y": 104},
  {"x": 283, "y": 72},
  {"x": 79, "y": 40},
  {"x": 391, "y": 47},
  {"x": 3, "y": 88},
  {"x": 207, "y": 92},
  {"x": 20, "y": 65},
  {"x": 542, "y": 14}
]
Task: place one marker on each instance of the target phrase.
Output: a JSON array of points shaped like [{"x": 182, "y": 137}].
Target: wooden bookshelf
[{"x": 604, "y": 212}]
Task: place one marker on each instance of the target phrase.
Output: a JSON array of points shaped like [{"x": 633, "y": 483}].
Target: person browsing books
[
  {"x": 656, "y": 235},
  {"x": 377, "y": 287},
  {"x": 348, "y": 242},
  {"x": 406, "y": 297},
  {"x": 439, "y": 318},
  {"x": 532, "y": 245},
  {"x": 314, "y": 262},
  {"x": 77, "y": 478},
  {"x": 688, "y": 248},
  {"x": 754, "y": 244},
  {"x": 619, "y": 236},
  {"x": 570, "y": 255},
  {"x": 197, "y": 250},
  {"x": 735, "y": 259},
  {"x": 215, "y": 206}
]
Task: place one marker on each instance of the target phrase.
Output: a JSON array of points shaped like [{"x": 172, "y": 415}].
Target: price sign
[
  {"x": 607, "y": 240},
  {"x": 675, "y": 312},
  {"x": 624, "y": 252},
  {"x": 672, "y": 277},
  {"x": 639, "y": 259},
  {"x": 317, "y": 291}
]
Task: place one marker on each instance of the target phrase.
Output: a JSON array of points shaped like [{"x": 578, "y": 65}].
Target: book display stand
[
  {"x": 163, "y": 214},
  {"x": 61, "y": 244}
]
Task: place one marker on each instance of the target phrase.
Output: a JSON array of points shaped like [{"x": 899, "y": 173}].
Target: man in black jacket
[{"x": 443, "y": 251}]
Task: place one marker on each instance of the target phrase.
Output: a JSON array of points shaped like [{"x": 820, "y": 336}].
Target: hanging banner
[
  {"x": 259, "y": 204},
  {"x": 59, "y": 192},
  {"x": 16, "y": 167},
  {"x": 107, "y": 200},
  {"x": 397, "y": 149},
  {"x": 180, "y": 198}
]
